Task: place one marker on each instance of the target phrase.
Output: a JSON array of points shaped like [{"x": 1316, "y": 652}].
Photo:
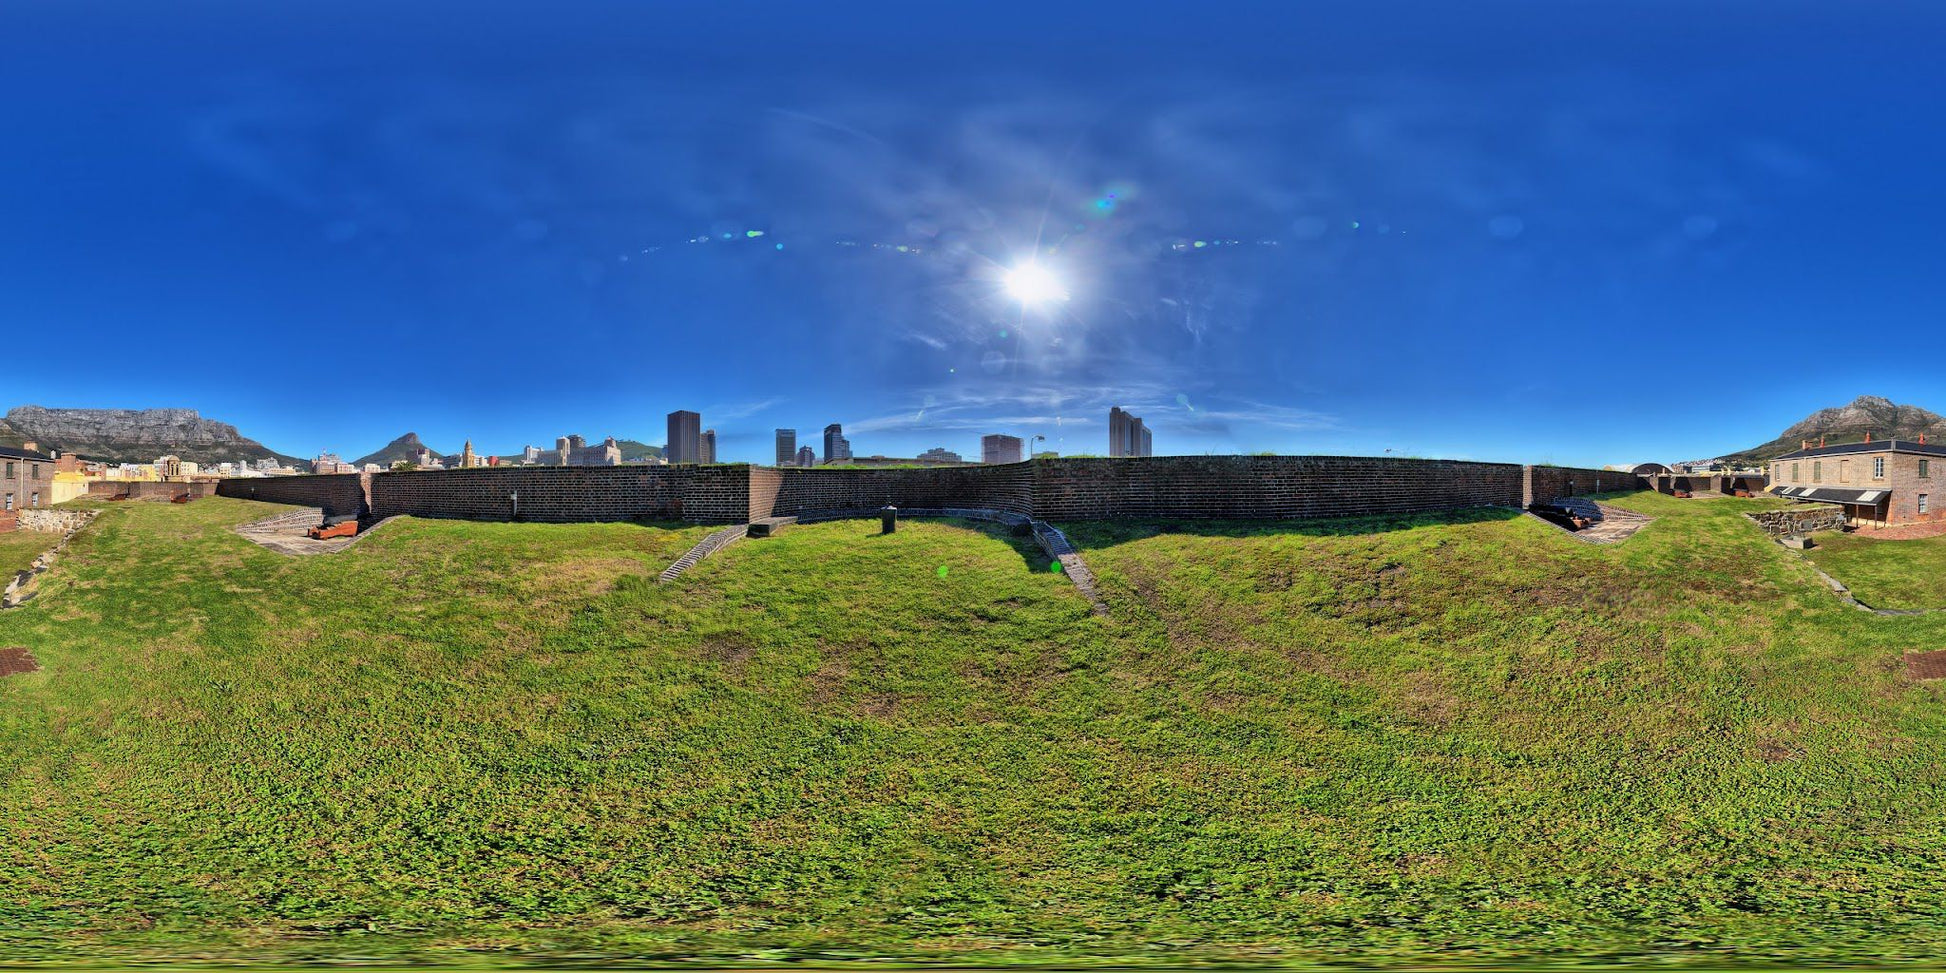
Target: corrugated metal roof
[
  {"x": 1868, "y": 498},
  {"x": 1882, "y": 446}
]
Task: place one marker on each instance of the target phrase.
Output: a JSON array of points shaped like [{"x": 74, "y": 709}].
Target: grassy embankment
[
  {"x": 1415, "y": 739},
  {"x": 19, "y": 548},
  {"x": 1885, "y": 574}
]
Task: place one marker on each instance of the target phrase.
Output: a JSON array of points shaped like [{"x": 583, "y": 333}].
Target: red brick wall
[
  {"x": 792, "y": 491},
  {"x": 1544, "y": 483},
  {"x": 1168, "y": 487},
  {"x": 704, "y": 494},
  {"x": 338, "y": 494},
  {"x": 1265, "y": 487}
]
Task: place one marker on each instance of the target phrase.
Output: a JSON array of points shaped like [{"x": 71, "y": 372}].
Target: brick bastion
[{"x": 1161, "y": 487}]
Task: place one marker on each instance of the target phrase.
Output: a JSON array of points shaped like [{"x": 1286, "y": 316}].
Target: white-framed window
[
  {"x": 10, "y": 501},
  {"x": 1925, "y": 469},
  {"x": 1923, "y": 506},
  {"x": 36, "y": 499},
  {"x": 1878, "y": 467}
]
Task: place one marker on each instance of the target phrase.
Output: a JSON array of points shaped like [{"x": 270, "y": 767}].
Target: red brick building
[
  {"x": 1879, "y": 484},
  {"x": 26, "y": 482}
]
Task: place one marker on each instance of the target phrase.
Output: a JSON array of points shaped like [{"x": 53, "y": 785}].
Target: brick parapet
[{"x": 1173, "y": 487}]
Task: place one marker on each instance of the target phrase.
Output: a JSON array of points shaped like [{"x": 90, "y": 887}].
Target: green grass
[
  {"x": 1423, "y": 739},
  {"x": 19, "y": 548},
  {"x": 1885, "y": 574}
]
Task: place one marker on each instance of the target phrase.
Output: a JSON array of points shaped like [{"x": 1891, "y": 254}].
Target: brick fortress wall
[
  {"x": 1265, "y": 487},
  {"x": 338, "y": 494},
  {"x": 569, "y": 494},
  {"x": 1546, "y": 483},
  {"x": 791, "y": 491},
  {"x": 1167, "y": 487}
]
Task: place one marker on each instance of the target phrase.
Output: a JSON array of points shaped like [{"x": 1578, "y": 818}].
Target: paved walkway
[{"x": 285, "y": 533}]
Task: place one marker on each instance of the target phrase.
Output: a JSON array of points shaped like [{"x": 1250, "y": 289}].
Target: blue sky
[{"x": 1563, "y": 232}]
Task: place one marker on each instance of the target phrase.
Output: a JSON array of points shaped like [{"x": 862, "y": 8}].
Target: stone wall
[
  {"x": 1799, "y": 520},
  {"x": 1264, "y": 487},
  {"x": 55, "y": 521},
  {"x": 337, "y": 494},
  {"x": 572, "y": 494},
  {"x": 1548, "y": 483}
]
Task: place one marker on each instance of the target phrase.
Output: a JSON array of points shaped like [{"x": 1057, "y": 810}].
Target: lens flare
[{"x": 1033, "y": 284}]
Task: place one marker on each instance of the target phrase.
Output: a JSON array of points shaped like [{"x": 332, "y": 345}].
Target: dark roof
[
  {"x": 1869, "y": 498},
  {"x": 1882, "y": 446},
  {"x": 12, "y": 453}
]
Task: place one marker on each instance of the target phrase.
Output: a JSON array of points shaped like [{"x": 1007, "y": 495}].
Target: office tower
[
  {"x": 786, "y": 447},
  {"x": 706, "y": 447},
  {"x": 997, "y": 448},
  {"x": 806, "y": 456},
  {"x": 837, "y": 448},
  {"x": 1148, "y": 439},
  {"x": 685, "y": 437}
]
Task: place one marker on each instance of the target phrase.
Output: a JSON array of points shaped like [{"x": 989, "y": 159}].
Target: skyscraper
[
  {"x": 806, "y": 456},
  {"x": 1127, "y": 436},
  {"x": 685, "y": 437},
  {"x": 837, "y": 448},
  {"x": 997, "y": 448},
  {"x": 786, "y": 447},
  {"x": 706, "y": 447}
]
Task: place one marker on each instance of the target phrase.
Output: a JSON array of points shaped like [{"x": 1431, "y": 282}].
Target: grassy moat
[{"x": 1432, "y": 739}]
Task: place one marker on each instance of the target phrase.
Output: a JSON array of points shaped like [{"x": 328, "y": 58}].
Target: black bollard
[{"x": 888, "y": 519}]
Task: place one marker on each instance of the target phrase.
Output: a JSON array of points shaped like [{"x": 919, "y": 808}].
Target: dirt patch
[
  {"x": 17, "y": 660},
  {"x": 731, "y": 653},
  {"x": 1909, "y": 532},
  {"x": 1925, "y": 665}
]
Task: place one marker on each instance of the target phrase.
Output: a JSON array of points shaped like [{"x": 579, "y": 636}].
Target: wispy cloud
[{"x": 729, "y": 412}]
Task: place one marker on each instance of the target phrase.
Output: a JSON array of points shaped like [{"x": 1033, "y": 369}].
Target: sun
[{"x": 1032, "y": 284}]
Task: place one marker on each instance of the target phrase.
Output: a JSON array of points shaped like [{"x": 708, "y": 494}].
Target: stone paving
[{"x": 286, "y": 533}]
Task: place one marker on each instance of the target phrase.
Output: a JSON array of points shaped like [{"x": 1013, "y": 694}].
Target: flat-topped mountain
[
  {"x": 1881, "y": 417},
  {"x": 132, "y": 435}
]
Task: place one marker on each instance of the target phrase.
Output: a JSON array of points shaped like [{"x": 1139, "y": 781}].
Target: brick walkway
[{"x": 1909, "y": 532}]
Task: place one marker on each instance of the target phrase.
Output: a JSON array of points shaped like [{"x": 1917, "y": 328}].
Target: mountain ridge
[
  {"x": 1874, "y": 414},
  {"x": 133, "y": 435}
]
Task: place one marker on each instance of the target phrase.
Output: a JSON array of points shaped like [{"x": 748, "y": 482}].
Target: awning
[{"x": 1866, "y": 498}]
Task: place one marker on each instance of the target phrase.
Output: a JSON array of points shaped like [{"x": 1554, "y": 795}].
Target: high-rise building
[
  {"x": 706, "y": 447},
  {"x": 806, "y": 456},
  {"x": 786, "y": 447},
  {"x": 940, "y": 454},
  {"x": 530, "y": 455},
  {"x": 837, "y": 448},
  {"x": 685, "y": 437},
  {"x": 997, "y": 448},
  {"x": 1127, "y": 436}
]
